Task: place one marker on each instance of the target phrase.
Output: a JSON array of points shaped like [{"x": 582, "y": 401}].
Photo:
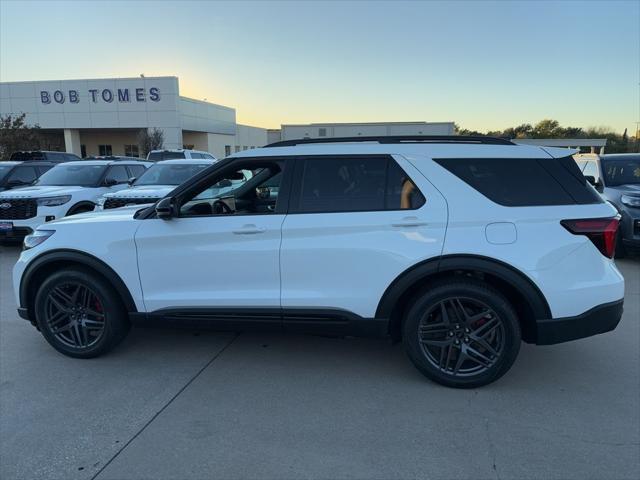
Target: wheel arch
[
  {"x": 524, "y": 295},
  {"x": 40, "y": 266},
  {"x": 79, "y": 205}
]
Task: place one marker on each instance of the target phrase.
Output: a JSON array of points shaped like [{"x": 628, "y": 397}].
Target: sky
[{"x": 484, "y": 65}]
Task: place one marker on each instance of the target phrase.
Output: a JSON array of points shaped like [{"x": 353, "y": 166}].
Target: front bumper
[
  {"x": 600, "y": 319},
  {"x": 23, "y": 227}
]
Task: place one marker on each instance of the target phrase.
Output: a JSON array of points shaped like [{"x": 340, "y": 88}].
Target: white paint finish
[
  {"x": 347, "y": 260},
  {"x": 119, "y": 254},
  {"x": 202, "y": 262},
  {"x": 501, "y": 233},
  {"x": 543, "y": 247}
]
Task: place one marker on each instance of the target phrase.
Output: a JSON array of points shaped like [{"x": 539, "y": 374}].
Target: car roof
[
  {"x": 432, "y": 150},
  {"x": 187, "y": 161},
  {"x": 178, "y": 150},
  {"x": 12, "y": 162},
  {"x": 105, "y": 162},
  {"x": 622, "y": 156}
]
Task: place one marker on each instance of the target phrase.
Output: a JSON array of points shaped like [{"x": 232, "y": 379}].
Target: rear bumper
[{"x": 600, "y": 319}]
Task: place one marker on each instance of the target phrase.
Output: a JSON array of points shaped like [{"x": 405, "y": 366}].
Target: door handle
[
  {"x": 410, "y": 222},
  {"x": 250, "y": 229}
]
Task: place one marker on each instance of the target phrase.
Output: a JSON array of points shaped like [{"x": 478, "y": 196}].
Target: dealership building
[{"x": 105, "y": 116}]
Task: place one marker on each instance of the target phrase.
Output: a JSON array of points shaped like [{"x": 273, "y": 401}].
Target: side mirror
[
  {"x": 165, "y": 209},
  {"x": 131, "y": 180},
  {"x": 110, "y": 182}
]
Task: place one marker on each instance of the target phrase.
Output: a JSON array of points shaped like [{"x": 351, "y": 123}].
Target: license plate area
[{"x": 6, "y": 227}]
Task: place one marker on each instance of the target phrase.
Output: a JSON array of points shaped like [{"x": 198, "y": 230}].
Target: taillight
[{"x": 601, "y": 231}]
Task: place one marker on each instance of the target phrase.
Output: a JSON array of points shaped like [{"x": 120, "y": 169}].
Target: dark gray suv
[{"x": 617, "y": 178}]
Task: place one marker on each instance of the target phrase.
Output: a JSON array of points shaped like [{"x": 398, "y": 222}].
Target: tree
[
  {"x": 16, "y": 135},
  {"x": 150, "y": 140}
]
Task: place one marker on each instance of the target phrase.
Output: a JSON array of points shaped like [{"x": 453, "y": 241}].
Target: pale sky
[{"x": 484, "y": 65}]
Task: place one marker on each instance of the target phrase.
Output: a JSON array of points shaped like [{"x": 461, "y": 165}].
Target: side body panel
[
  {"x": 569, "y": 270},
  {"x": 346, "y": 260}
]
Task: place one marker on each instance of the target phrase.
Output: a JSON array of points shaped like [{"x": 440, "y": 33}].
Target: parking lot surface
[{"x": 191, "y": 405}]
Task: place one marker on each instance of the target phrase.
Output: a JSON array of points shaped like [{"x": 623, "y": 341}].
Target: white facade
[
  {"x": 329, "y": 130},
  {"x": 101, "y": 113}
]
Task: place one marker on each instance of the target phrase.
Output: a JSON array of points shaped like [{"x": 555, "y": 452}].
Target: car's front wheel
[
  {"x": 462, "y": 333},
  {"x": 80, "y": 314}
]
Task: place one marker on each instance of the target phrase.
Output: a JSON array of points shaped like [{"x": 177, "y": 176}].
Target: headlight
[
  {"x": 53, "y": 201},
  {"x": 36, "y": 238},
  {"x": 630, "y": 201}
]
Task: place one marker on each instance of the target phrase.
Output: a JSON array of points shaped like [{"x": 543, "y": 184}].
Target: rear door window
[
  {"x": 519, "y": 182},
  {"x": 353, "y": 184}
]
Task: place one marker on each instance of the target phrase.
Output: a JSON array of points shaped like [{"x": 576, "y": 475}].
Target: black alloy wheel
[
  {"x": 79, "y": 313},
  {"x": 74, "y": 315},
  {"x": 462, "y": 333},
  {"x": 461, "y": 336}
]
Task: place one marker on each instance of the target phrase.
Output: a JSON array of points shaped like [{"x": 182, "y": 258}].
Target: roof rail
[{"x": 398, "y": 139}]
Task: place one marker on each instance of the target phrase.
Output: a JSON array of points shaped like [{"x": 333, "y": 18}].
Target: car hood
[
  {"x": 40, "y": 191},
  {"x": 143, "y": 191},
  {"x": 123, "y": 214}
]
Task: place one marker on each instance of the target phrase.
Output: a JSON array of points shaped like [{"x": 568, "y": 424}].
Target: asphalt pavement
[{"x": 184, "y": 404}]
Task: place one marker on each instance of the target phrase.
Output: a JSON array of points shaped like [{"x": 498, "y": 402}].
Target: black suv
[
  {"x": 617, "y": 178},
  {"x": 44, "y": 155}
]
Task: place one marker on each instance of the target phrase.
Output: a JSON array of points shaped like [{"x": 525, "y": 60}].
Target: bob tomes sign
[{"x": 95, "y": 95}]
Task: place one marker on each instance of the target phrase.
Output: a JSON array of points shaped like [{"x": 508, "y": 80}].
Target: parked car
[
  {"x": 617, "y": 178},
  {"x": 461, "y": 247},
  {"x": 66, "y": 189},
  {"x": 154, "y": 183},
  {"x": 44, "y": 155},
  {"x": 14, "y": 174},
  {"x": 156, "y": 155}
]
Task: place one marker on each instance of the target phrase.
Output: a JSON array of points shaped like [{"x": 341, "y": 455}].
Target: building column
[{"x": 72, "y": 141}]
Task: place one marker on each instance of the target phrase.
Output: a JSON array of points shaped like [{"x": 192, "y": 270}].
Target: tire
[
  {"x": 490, "y": 343},
  {"x": 80, "y": 314}
]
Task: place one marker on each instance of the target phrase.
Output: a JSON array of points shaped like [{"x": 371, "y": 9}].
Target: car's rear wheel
[
  {"x": 462, "y": 333},
  {"x": 80, "y": 314}
]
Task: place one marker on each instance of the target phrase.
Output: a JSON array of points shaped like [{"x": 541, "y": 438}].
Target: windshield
[
  {"x": 621, "y": 171},
  {"x": 66, "y": 175},
  {"x": 168, "y": 174},
  {"x": 4, "y": 169}
]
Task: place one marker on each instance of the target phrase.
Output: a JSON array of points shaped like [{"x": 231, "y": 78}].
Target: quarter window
[{"x": 353, "y": 184}]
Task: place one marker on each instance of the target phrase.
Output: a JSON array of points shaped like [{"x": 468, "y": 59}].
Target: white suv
[
  {"x": 66, "y": 189},
  {"x": 156, "y": 155},
  {"x": 155, "y": 183},
  {"x": 460, "y": 246}
]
